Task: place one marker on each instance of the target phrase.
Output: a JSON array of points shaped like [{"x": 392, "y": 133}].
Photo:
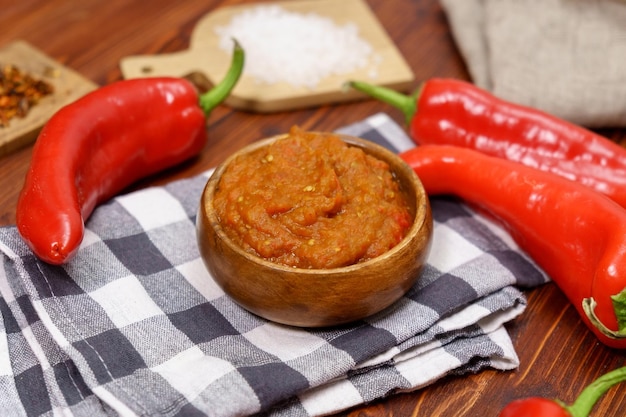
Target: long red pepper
[
  {"x": 96, "y": 146},
  {"x": 578, "y": 236},
  {"x": 582, "y": 406},
  {"x": 454, "y": 112}
]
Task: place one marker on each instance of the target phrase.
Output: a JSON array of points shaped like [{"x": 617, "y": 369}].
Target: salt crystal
[{"x": 299, "y": 49}]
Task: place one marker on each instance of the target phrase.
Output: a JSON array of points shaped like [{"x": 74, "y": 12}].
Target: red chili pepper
[
  {"x": 96, "y": 146},
  {"x": 535, "y": 407},
  {"x": 454, "y": 112},
  {"x": 578, "y": 236},
  {"x": 542, "y": 407}
]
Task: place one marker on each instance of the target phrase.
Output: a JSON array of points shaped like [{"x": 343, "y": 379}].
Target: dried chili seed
[{"x": 19, "y": 92}]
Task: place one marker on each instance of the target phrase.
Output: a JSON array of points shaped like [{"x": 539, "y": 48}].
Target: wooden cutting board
[
  {"x": 205, "y": 58},
  {"x": 68, "y": 86}
]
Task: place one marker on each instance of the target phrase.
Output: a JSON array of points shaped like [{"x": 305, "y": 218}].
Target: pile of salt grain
[{"x": 299, "y": 49}]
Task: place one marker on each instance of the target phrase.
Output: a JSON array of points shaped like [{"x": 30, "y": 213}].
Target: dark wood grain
[{"x": 558, "y": 355}]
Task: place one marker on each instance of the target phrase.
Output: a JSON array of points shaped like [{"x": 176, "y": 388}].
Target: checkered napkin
[{"x": 135, "y": 325}]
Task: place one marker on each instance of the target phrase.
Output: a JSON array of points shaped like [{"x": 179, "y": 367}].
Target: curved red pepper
[
  {"x": 96, "y": 146},
  {"x": 455, "y": 112},
  {"x": 542, "y": 407},
  {"x": 534, "y": 407},
  {"x": 578, "y": 236}
]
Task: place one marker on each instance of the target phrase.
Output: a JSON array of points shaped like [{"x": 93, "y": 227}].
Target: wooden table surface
[{"x": 559, "y": 356}]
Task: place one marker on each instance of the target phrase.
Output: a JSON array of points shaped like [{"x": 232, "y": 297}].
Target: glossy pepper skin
[
  {"x": 534, "y": 407},
  {"x": 543, "y": 407},
  {"x": 454, "y": 112},
  {"x": 96, "y": 146},
  {"x": 578, "y": 236}
]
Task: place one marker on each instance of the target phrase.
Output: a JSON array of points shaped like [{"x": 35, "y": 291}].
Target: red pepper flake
[{"x": 19, "y": 92}]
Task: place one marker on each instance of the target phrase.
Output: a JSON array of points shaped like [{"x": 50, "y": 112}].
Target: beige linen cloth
[{"x": 566, "y": 57}]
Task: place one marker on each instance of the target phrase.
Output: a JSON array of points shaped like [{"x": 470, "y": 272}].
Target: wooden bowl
[{"x": 317, "y": 297}]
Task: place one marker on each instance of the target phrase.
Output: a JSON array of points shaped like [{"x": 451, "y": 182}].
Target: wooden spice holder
[
  {"x": 206, "y": 60},
  {"x": 68, "y": 86}
]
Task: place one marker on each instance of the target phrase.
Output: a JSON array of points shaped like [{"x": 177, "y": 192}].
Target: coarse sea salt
[{"x": 295, "y": 48}]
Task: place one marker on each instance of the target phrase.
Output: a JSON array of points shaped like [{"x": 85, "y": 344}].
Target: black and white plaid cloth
[{"x": 135, "y": 325}]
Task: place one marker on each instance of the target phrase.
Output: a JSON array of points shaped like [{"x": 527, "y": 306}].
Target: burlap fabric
[{"x": 566, "y": 57}]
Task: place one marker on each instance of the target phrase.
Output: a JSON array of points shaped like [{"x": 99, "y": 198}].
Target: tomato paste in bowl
[
  {"x": 310, "y": 200},
  {"x": 314, "y": 229}
]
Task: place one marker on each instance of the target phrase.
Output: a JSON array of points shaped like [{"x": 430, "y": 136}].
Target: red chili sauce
[{"x": 312, "y": 201}]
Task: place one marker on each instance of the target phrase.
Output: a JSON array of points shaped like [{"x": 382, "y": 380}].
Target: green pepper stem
[
  {"x": 212, "y": 98},
  {"x": 619, "y": 306},
  {"x": 402, "y": 102},
  {"x": 592, "y": 393},
  {"x": 589, "y": 307}
]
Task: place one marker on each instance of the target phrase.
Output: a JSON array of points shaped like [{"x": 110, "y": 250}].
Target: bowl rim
[{"x": 419, "y": 219}]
